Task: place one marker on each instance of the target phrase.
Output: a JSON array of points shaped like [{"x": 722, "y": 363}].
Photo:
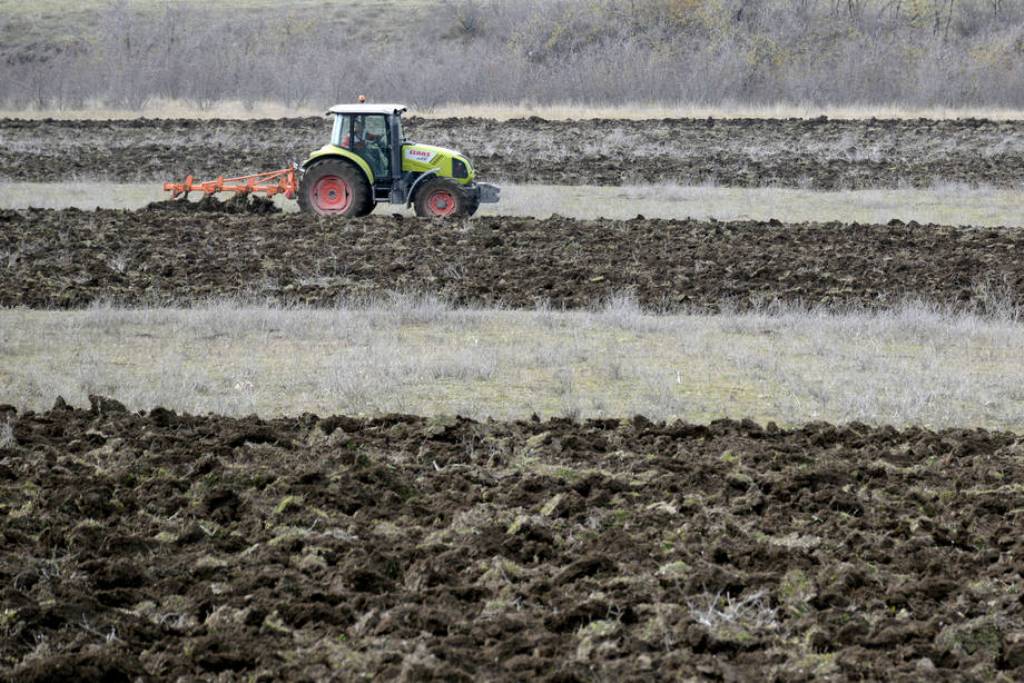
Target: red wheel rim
[
  {"x": 331, "y": 194},
  {"x": 441, "y": 203}
]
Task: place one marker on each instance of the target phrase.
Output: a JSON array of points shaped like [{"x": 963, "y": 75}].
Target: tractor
[{"x": 367, "y": 161}]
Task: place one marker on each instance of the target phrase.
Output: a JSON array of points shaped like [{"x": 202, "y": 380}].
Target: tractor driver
[
  {"x": 367, "y": 145},
  {"x": 360, "y": 136}
]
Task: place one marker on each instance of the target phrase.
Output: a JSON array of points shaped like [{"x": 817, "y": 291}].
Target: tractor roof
[{"x": 367, "y": 109}]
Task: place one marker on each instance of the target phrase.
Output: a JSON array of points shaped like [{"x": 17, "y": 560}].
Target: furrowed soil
[
  {"x": 165, "y": 545},
  {"x": 809, "y": 153},
  {"x": 174, "y": 253}
]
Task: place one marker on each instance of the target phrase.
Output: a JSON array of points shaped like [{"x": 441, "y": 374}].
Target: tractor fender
[
  {"x": 332, "y": 152},
  {"x": 412, "y": 190}
]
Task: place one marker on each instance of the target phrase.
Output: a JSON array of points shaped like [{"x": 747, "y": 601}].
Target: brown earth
[
  {"x": 164, "y": 545},
  {"x": 237, "y": 204},
  {"x": 816, "y": 153},
  {"x": 71, "y": 258}
]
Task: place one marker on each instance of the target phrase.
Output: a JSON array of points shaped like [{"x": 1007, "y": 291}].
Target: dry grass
[
  {"x": 641, "y": 111},
  {"x": 912, "y": 365},
  {"x": 945, "y": 204},
  {"x": 55, "y": 9},
  {"x": 87, "y": 195},
  {"x": 234, "y": 109},
  {"x": 948, "y": 204},
  {"x": 171, "y": 109},
  {"x": 734, "y": 616}
]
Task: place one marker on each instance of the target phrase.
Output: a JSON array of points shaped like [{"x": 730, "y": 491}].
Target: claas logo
[{"x": 421, "y": 154}]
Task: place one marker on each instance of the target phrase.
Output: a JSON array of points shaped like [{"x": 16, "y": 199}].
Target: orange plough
[{"x": 269, "y": 183}]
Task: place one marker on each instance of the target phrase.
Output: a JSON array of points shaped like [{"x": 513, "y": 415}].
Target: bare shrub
[
  {"x": 721, "y": 612},
  {"x": 871, "y": 52}
]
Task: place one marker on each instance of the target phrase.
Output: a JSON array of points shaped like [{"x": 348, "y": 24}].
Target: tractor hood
[
  {"x": 426, "y": 154},
  {"x": 449, "y": 163}
]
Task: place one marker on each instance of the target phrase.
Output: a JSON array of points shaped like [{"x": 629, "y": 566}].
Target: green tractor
[{"x": 368, "y": 160}]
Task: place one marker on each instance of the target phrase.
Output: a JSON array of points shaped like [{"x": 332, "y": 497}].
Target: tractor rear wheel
[
  {"x": 335, "y": 188},
  {"x": 442, "y": 198}
]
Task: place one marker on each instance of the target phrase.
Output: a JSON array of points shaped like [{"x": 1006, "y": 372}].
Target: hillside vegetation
[{"x": 915, "y": 53}]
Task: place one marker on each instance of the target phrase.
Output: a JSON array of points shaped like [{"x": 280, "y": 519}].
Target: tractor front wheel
[
  {"x": 335, "y": 188},
  {"x": 442, "y": 198}
]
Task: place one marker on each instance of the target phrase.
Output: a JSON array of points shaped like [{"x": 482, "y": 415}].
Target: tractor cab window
[
  {"x": 342, "y": 127},
  {"x": 367, "y": 136}
]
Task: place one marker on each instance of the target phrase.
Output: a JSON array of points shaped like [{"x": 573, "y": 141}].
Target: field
[
  {"x": 447, "y": 549},
  {"x": 723, "y": 389},
  {"x": 160, "y": 255},
  {"x": 813, "y": 154},
  {"x": 941, "y": 204},
  {"x": 905, "y": 365},
  {"x": 579, "y": 544}
]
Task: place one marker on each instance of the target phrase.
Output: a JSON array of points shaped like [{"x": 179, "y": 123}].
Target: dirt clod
[{"x": 238, "y": 204}]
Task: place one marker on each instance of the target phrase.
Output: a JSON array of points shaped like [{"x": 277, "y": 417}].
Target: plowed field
[
  {"x": 446, "y": 549},
  {"x": 159, "y": 545},
  {"x": 818, "y": 154},
  {"x": 71, "y": 258}
]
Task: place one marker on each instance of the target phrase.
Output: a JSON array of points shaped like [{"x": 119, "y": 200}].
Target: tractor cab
[
  {"x": 368, "y": 161},
  {"x": 374, "y": 133}
]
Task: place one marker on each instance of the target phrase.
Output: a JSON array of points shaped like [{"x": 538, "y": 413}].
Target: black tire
[
  {"x": 472, "y": 204},
  {"x": 442, "y": 198},
  {"x": 326, "y": 185},
  {"x": 368, "y": 209}
]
